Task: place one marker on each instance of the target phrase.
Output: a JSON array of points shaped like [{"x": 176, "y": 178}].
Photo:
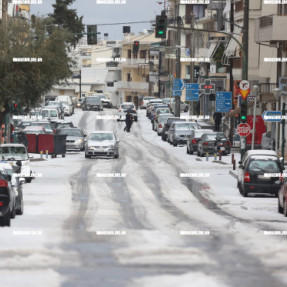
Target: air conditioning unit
[{"x": 213, "y": 68}]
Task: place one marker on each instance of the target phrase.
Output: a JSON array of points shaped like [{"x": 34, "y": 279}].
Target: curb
[{"x": 233, "y": 173}]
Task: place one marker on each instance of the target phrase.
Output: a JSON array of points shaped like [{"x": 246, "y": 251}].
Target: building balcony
[
  {"x": 271, "y": 29},
  {"x": 132, "y": 86},
  {"x": 135, "y": 62}
]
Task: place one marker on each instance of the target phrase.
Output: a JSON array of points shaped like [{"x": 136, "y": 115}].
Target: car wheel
[
  {"x": 187, "y": 151},
  {"x": 285, "y": 208},
  {"x": 280, "y": 209},
  {"x": 197, "y": 153},
  {"x": 20, "y": 210},
  {"x": 13, "y": 213},
  {"x": 28, "y": 180},
  {"x": 174, "y": 143},
  {"x": 87, "y": 156},
  {"x": 186, "y": 109},
  {"x": 116, "y": 155},
  {"x": 6, "y": 219},
  {"x": 82, "y": 149}
]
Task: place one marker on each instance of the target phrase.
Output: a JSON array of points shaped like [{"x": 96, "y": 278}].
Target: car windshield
[
  {"x": 47, "y": 126},
  {"x": 45, "y": 113},
  {"x": 13, "y": 153},
  {"x": 163, "y": 111},
  {"x": 127, "y": 106},
  {"x": 210, "y": 137},
  {"x": 101, "y": 137},
  {"x": 71, "y": 132},
  {"x": 53, "y": 114},
  {"x": 54, "y": 104},
  {"x": 268, "y": 166},
  {"x": 92, "y": 100},
  {"x": 185, "y": 126},
  {"x": 64, "y": 125}
]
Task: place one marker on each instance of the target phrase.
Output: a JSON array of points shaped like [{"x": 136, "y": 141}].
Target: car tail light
[
  {"x": 193, "y": 141},
  {"x": 246, "y": 177},
  {"x": 205, "y": 144},
  {"x": 3, "y": 183},
  {"x": 142, "y": 102},
  {"x": 160, "y": 126},
  {"x": 1, "y": 203}
]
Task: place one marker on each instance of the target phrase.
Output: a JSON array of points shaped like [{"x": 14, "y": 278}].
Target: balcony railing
[
  {"x": 132, "y": 86},
  {"x": 267, "y": 88}
]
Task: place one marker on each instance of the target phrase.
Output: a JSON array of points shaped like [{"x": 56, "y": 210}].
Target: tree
[
  {"x": 26, "y": 82},
  {"x": 68, "y": 19}
]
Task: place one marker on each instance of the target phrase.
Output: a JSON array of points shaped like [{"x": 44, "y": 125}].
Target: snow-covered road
[{"x": 155, "y": 213}]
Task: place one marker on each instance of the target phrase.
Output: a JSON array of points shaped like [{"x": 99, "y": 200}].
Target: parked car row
[{"x": 14, "y": 172}]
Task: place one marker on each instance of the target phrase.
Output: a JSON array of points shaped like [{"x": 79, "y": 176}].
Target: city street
[{"x": 146, "y": 227}]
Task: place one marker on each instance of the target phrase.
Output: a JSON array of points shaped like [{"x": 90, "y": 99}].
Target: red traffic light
[
  {"x": 136, "y": 43},
  {"x": 15, "y": 105}
]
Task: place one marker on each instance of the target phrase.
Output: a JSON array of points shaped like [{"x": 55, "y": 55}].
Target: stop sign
[{"x": 243, "y": 130}]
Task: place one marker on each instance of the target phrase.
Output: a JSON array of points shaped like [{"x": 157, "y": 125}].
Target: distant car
[
  {"x": 35, "y": 130},
  {"x": 102, "y": 143},
  {"x": 180, "y": 131},
  {"x": 183, "y": 106},
  {"x": 62, "y": 125},
  {"x": 222, "y": 144},
  {"x": 60, "y": 106},
  {"x": 7, "y": 199},
  {"x": 192, "y": 140},
  {"x": 260, "y": 174},
  {"x": 14, "y": 153},
  {"x": 79, "y": 103},
  {"x": 92, "y": 103},
  {"x": 160, "y": 121},
  {"x": 75, "y": 138},
  {"x": 124, "y": 108},
  {"x": 206, "y": 144},
  {"x": 282, "y": 198},
  {"x": 68, "y": 101},
  {"x": 145, "y": 101},
  {"x": 155, "y": 108},
  {"x": 167, "y": 125},
  {"x": 105, "y": 100},
  {"x": 158, "y": 112},
  {"x": 50, "y": 113},
  {"x": 152, "y": 103},
  {"x": 45, "y": 124}
]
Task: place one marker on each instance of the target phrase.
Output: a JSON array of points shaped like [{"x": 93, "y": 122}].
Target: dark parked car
[
  {"x": 167, "y": 126},
  {"x": 206, "y": 144},
  {"x": 260, "y": 174},
  {"x": 222, "y": 144},
  {"x": 192, "y": 140},
  {"x": 7, "y": 199},
  {"x": 75, "y": 138},
  {"x": 282, "y": 198},
  {"x": 92, "y": 103},
  {"x": 62, "y": 125}
]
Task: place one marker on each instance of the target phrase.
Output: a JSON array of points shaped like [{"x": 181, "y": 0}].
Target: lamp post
[
  {"x": 277, "y": 95},
  {"x": 80, "y": 81},
  {"x": 256, "y": 92}
]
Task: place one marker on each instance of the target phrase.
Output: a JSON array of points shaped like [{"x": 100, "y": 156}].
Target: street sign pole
[{"x": 254, "y": 121}]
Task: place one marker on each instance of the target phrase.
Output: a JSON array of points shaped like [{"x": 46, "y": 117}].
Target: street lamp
[
  {"x": 277, "y": 94},
  {"x": 256, "y": 92}
]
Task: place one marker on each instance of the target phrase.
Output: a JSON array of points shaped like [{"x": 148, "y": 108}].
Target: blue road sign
[
  {"x": 178, "y": 84},
  {"x": 272, "y": 116},
  {"x": 176, "y": 93},
  {"x": 192, "y": 92},
  {"x": 223, "y": 102}
]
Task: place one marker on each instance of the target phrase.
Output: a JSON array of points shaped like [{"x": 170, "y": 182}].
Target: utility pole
[
  {"x": 4, "y": 10},
  {"x": 232, "y": 120},
  {"x": 245, "y": 65},
  {"x": 192, "y": 52},
  {"x": 159, "y": 73},
  {"x": 178, "y": 66}
]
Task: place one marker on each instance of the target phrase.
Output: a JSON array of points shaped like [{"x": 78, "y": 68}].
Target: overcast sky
[{"x": 93, "y": 13}]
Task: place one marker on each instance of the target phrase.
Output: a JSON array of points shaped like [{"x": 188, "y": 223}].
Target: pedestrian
[
  {"x": 217, "y": 119},
  {"x": 129, "y": 121}
]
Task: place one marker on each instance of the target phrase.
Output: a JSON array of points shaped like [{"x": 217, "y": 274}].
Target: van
[
  {"x": 68, "y": 104},
  {"x": 50, "y": 113}
]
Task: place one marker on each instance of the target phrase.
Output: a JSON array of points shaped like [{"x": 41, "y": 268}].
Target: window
[
  {"x": 143, "y": 54},
  {"x": 129, "y": 54}
]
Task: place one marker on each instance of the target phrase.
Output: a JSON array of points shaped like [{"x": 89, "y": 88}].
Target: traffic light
[
  {"x": 136, "y": 47},
  {"x": 92, "y": 34},
  {"x": 243, "y": 113},
  {"x": 160, "y": 27}
]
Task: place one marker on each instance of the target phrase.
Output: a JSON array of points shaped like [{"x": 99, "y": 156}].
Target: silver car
[
  {"x": 180, "y": 131},
  {"x": 75, "y": 138},
  {"x": 102, "y": 143},
  {"x": 160, "y": 121}
]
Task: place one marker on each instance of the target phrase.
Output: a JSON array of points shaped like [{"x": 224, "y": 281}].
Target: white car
[
  {"x": 145, "y": 101},
  {"x": 50, "y": 113},
  {"x": 67, "y": 101},
  {"x": 160, "y": 121},
  {"x": 14, "y": 153},
  {"x": 124, "y": 108}
]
